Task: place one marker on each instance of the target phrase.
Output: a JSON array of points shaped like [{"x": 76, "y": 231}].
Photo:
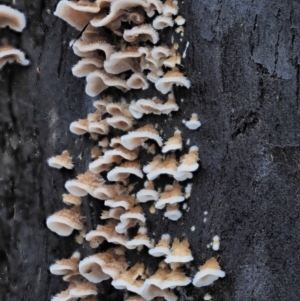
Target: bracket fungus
[
  {"x": 159, "y": 167},
  {"x": 102, "y": 266},
  {"x": 193, "y": 123},
  {"x": 148, "y": 193},
  {"x": 99, "y": 80},
  {"x": 63, "y": 222},
  {"x": 141, "y": 33},
  {"x": 208, "y": 273},
  {"x": 180, "y": 252},
  {"x": 84, "y": 184},
  {"x": 12, "y": 18},
  {"x": 70, "y": 199},
  {"x": 172, "y": 77},
  {"x": 134, "y": 139},
  {"x": 86, "y": 66},
  {"x": 172, "y": 212},
  {"x": 140, "y": 240},
  {"x": 60, "y": 161},
  {"x": 122, "y": 172},
  {"x": 105, "y": 232},
  {"x": 162, "y": 248},
  {"x": 65, "y": 266},
  {"x": 10, "y": 54},
  {"x": 77, "y": 14},
  {"x": 173, "y": 143},
  {"x": 171, "y": 195}
]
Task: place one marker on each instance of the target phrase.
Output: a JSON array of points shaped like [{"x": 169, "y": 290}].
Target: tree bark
[{"x": 243, "y": 61}]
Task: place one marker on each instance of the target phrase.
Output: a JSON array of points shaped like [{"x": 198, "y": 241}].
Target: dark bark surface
[{"x": 243, "y": 62}]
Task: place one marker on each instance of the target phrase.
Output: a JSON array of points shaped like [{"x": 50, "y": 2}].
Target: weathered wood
[{"x": 244, "y": 66}]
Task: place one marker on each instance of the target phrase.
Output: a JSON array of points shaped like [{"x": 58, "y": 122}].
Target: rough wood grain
[{"x": 243, "y": 62}]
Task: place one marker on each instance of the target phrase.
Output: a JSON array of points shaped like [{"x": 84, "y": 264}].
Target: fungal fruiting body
[
  {"x": 10, "y": 54},
  {"x": 208, "y": 273},
  {"x": 126, "y": 65},
  {"x": 12, "y": 18},
  {"x": 60, "y": 161}
]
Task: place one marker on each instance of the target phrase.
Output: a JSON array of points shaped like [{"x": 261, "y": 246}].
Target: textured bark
[{"x": 244, "y": 66}]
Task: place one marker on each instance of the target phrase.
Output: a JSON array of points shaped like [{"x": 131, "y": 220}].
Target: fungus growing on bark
[
  {"x": 193, "y": 123},
  {"x": 148, "y": 193},
  {"x": 188, "y": 162},
  {"x": 70, "y": 199},
  {"x": 63, "y": 222},
  {"x": 162, "y": 248},
  {"x": 102, "y": 266},
  {"x": 137, "y": 81},
  {"x": 140, "y": 240},
  {"x": 170, "y": 8},
  {"x": 101, "y": 104},
  {"x": 105, "y": 192},
  {"x": 121, "y": 173},
  {"x": 99, "y": 165},
  {"x": 141, "y": 33},
  {"x": 161, "y": 22},
  {"x": 172, "y": 61},
  {"x": 60, "y": 161},
  {"x": 105, "y": 232},
  {"x": 127, "y": 279},
  {"x": 180, "y": 252},
  {"x": 12, "y": 18},
  {"x": 172, "y": 212},
  {"x": 130, "y": 218},
  {"x": 173, "y": 143},
  {"x": 77, "y": 14},
  {"x": 10, "y": 54},
  {"x": 172, "y": 77},
  {"x": 179, "y": 20},
  {"x": 79, "y": 127},
  {"x": 120, "y": 122},
  {"x": 208, "y": 273},
  {"x": 126, "y": 202},
  {"x": 171, "y": 195},
  {"x": 216, "y": 243},
  {"x": 158, "y": 167},
  {"x": 87, "y": 65},
  {"x": 84, "y": 184},
  {"x": 99, "y": 80},
  {"x": 119, "y": 153},
  {"x": 65, "y": 266},
  {"x": 134, "y": 139},
  {"x": 127, "y": 59},
  {"x": 99, "y": 127}
]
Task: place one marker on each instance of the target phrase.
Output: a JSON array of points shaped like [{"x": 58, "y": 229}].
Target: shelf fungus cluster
[
  {"x": 15, "y": 20},
  {"x": 118, "y": 175}
]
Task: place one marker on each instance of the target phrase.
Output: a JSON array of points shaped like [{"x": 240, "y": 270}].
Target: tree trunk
[{"x": 244, "y": 67}]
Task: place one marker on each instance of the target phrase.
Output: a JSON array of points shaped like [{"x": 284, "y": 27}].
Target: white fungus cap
[
  {"x": 77, "y": 14},
  {"x": 60, "y": 161},
  {"x": 193, "y": 123},
  {"x": 140, "y": 240},
  {"x": 188, "y": 162},
  {"x": 79, "y": 127},
  {"x": 122, "y": 172},
  {"x": 209, "y": 272},
  {"x": 148, "y": 193},
  {"x": 161, "y": 22},
  {"x": 10, "y": 54},
  {"x": 87, "y": 65},
  {"x": 182, "y": 175},
  {"x": 64, "y": 266},
  {"x": 172, "y": 77},
  {"x": 134, "y": 139},
  {"x": 65, "y": 221},
  {"x": 141, "y": 33},
  {"x": 12, "y": 18},
  {"x": 180, "y": 252},
  {"x": 162, "y": 248},
  {"x": 173, "y": 213}
]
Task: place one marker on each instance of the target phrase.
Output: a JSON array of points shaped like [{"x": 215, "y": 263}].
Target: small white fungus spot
[
  {"x": 193, "y": 228},
  {"x": 205, "y": 212},
  {"x": 204, "y": 220},
  {"x": 207, "y": 297}
]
